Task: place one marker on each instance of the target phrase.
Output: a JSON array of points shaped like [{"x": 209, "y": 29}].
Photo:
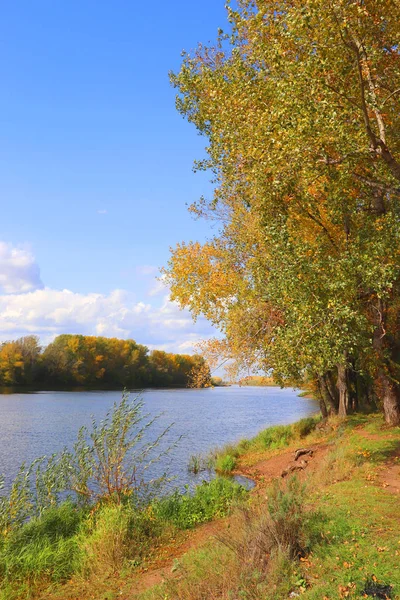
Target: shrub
[
  {"x": 287, "y": 517},
  {"x": 111, "y": 460},
  {"x": 282, "y": 530}
]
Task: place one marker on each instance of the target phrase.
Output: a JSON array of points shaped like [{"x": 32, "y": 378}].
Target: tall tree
[{"x": 300, "y": 105}]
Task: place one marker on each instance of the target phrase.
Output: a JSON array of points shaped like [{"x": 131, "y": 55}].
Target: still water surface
[{"x": 41, "y": 423}]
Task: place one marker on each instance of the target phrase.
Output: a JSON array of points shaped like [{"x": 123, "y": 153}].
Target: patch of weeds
[
  {"x": 209, "y": 500},
  {"x": 45, "y": 547},
  {"x": 225, "y": 464},
  {"x": 305, "y": 426},
  {"x": 274, "y": 437},
  {"x": 199, "y": 463}
]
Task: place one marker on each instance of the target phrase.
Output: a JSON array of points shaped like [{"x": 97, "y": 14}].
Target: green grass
[
  {"x": 209, "y": 500},
  {"x": 350, "y": 529},
  {"x": 325, "y": 541},
  {"x": 226, "y": 459},
  {"x": 67, "y": 541},
  {"x": 225, "y": 464},
  {"x": 46, "y": 549}
]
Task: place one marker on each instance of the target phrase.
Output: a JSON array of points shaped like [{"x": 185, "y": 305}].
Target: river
[{"x": 35, "y": 424}]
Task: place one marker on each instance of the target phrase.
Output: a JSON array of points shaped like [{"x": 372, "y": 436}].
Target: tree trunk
[
  {"x": 329, "y": 401},
  {"x": 353, "y": 387},
  {"x": 389, "y": 394},
  {"x": 344, "y": 392},
  {"x": 387, "y": 390},
  {"x": 333, "y": 392},
  {"x": 322, "y": 403}
]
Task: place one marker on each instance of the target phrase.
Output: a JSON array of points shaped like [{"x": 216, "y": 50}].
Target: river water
[{"x": 36, "y": 424}]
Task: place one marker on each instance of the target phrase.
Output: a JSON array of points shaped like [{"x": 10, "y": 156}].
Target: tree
[
  {"x": 300, "y": 105},
  {"x": 20, "y": 361}
]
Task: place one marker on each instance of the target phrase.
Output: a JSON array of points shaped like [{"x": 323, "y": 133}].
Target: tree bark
[
  {"x": 389, "y": 393},
  {"x": 386, "y": 388},
  {"x": 333, "y": 392},
  {"x": 344, "y": 392},
  {"x": 329, "y": 400},
  {"x": 322, "y": 403}
]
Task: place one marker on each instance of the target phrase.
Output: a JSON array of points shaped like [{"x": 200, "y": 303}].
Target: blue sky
[{"x": 96, "y": 166}]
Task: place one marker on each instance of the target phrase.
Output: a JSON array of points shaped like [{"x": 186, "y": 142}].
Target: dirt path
[
  {"x": 163, "y": 567},
  {"x": 262, "y": 473},
  {"x": 389, "y": 475}
]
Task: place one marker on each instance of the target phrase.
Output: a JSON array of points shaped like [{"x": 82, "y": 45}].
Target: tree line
[
  {"x": 300, "y": 105},
  {"x": 94, "y": 362}
]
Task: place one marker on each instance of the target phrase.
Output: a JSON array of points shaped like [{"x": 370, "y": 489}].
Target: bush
[
  {"x": 211, "y": 499},
  {"x": 282, "y": 530}
]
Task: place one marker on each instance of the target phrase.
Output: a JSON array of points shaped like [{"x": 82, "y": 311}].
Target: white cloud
[
  {"x": 159, "y": 286},
  {"x": 26, "y": 307},
  {"x": 47, "y": 313},
  {"x": 19, "y": 271},
  {"x": 102, "y": 211}
]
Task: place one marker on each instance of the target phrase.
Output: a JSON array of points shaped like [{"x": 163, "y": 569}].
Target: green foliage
[
  {"x": 305, "y": 426},
  {"x": 225, "y": 464},
  {"x": 45, "y": 547},
  {"x": 300, "y": 109},
  {"x": 275, "y": 437},
  {"x": 118, "y": 535},
  {"x": 209, "y": 500}
]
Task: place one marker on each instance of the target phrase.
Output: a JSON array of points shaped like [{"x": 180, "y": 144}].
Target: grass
[
  {"x": 336, "y": 537},
  {"x": 101, "y": 541},
  {"x": 339, "y": 538},
  {"x": 227, "y": 459},
  {"x": 210, "y": 500}
]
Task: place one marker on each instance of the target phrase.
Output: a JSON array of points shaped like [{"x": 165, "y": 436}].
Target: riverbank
[
  {"x": 343, "y": 524},
  {"x": 330, "y": 532}
]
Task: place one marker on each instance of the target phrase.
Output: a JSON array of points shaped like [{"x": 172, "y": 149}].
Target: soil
[{"x": 389, "y": 476}]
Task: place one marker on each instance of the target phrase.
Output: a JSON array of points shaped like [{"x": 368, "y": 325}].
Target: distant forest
[{"x": 93, "y": 362}]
